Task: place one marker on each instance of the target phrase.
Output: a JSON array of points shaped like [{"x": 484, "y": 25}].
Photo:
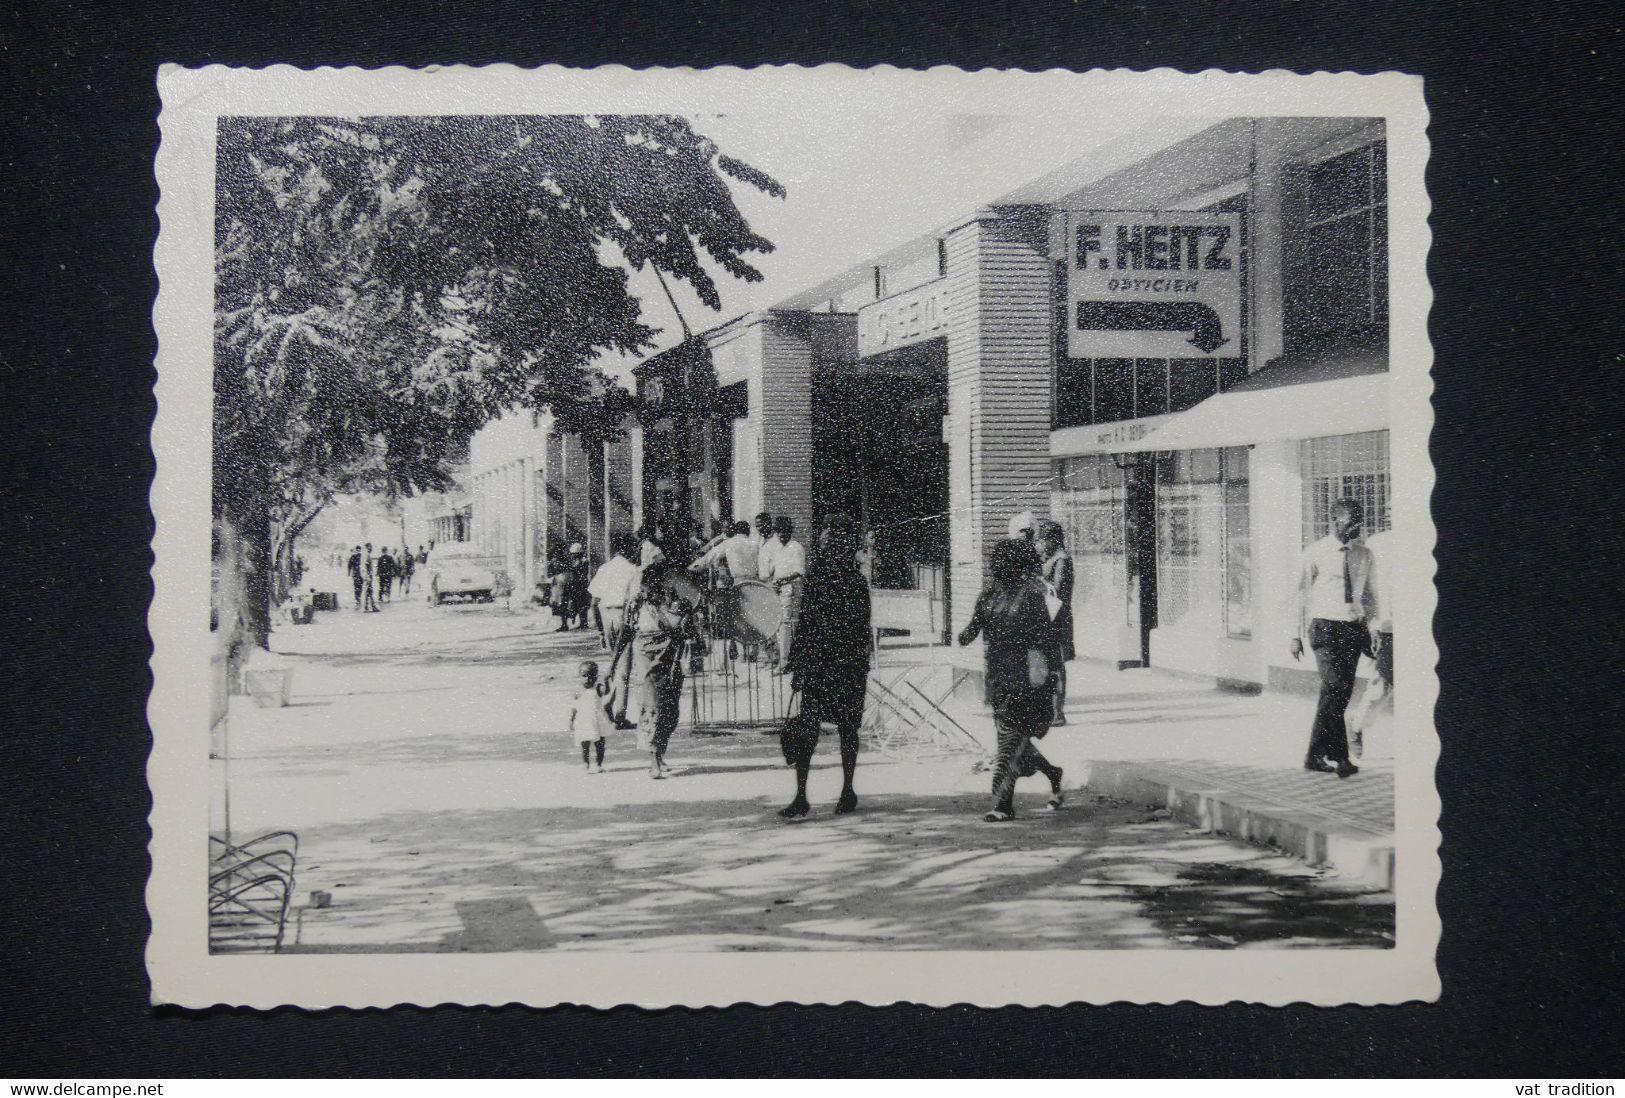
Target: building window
[
  {"x": 1344, "y": 467},
  {"x": 1190, "y": 542},
  {"x": 1090, "y": 502},
  {"x": 1341, "y": 284},
  {"x": 1204, "y": 543},
  {"x": 942, "y": 257}
]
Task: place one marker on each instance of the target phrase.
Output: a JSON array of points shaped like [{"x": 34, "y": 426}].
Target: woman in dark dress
[
  {"x": 829, "y": 661},
  {"x": 1058, "y": 577},
  {"x": 1020, "y": 645}
]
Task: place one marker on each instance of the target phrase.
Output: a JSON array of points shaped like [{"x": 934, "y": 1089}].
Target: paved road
[{"x": 425, "y": 766}]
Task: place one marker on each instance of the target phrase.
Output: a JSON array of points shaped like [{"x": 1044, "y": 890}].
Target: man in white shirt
[
  {"x": 609, "y": 588},
  {"x": 1380, "y": 581},
  {"x": 785, "y": 569},
  {"x": 738, "y": 550},
  {"x": 738, "y": 554},
  {"x": 766, "y": 543},
  {"x": 1335, "y": 605}
]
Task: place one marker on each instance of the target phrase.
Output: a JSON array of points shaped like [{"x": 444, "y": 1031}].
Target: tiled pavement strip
[{"x": 1219, "y": 760}]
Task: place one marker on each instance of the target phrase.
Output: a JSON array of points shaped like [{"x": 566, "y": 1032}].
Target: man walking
[
  {"x": 1335, "y": 602},
  {"x": 369, "y": 570},
  {"x": 787, "y": 564},
  {"x": 408, "y": 565},
  {"x": 610, "y": 588},
  {"x": 386, "y": 574},
  {"x": 358, "y": 574},
  {"x": 1381, "y": 583}
]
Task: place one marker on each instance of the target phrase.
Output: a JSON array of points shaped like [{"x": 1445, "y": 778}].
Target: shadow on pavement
[{"x": 906, "y": 871}]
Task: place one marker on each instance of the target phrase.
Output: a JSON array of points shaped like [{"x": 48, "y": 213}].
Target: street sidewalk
[
  {"x": 1217, "y": 759},
  {"x": 441, "y": 806}
]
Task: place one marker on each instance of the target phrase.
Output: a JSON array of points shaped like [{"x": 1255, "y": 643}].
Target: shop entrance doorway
[{"x": 879, "y": 456}]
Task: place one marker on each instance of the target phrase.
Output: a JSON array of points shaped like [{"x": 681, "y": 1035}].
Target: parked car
[{"x": 460, "y": 570}]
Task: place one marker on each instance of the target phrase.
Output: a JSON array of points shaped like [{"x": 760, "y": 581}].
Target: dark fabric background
[{"x": 1526, "y": 219}]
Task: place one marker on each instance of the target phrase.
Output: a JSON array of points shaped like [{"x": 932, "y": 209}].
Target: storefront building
[
  {"x": 1179, "y": 354},
  {"x": 535, "y": 490}
]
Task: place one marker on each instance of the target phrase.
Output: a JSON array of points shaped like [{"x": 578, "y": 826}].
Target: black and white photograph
[{"x": 815, "y": 535}]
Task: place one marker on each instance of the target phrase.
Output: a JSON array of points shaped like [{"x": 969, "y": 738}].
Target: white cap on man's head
[
  {"x": 575, "y": 547},
  {"x": 1021, "y": 524}
]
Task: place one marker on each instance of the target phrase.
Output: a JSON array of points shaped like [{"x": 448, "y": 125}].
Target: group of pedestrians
[
  {"x": 1024, "y": 617},
  {"x": 823, "y": 643},
  {"x": 374, "y": 576}
]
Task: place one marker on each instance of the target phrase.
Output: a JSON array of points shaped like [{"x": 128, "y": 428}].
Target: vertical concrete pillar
[
  {"x": 634, "y": 453},
  {"x": 1266, "y": 263},
  {"x": 554, "y": 541},
  {"x": 781, "y": 404},
  {"x": 577, "y": 490},
  {"x": 525, "y": 582},
  {"x": 1275, "y": 499},
  {"x": 620, "y": 491},
  {"x": 1000, "y": 360}
]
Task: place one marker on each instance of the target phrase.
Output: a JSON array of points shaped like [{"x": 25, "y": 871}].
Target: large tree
[{"x": 383, "y": 286}]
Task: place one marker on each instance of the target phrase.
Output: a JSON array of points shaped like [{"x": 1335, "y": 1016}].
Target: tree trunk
[{"x": 248, "y": 517}]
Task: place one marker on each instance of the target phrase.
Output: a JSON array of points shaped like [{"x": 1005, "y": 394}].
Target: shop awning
[{"x": 1310, "y": 398}]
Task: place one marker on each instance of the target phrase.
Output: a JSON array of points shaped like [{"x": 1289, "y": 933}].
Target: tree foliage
[{"x": 384, "y": 286}]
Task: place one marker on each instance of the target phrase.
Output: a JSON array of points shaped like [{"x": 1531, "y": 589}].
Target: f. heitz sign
[
  {"x": 1153, "y": 284},
  {"x": 904, "y": 318}
]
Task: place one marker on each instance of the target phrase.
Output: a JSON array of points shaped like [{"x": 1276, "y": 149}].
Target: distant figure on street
[
  {"x": 386, "y": 574},
  {"x": 1335, "y": 603},
  {"x": 409, "y": 565},
  {"x": 580, "y": 601},
  {"x": 369, "y": 566},
  {"x": 565, "y": 591},
  {"x": 612, "y": 587},
  {"x": 358, "y": 574},
  {"x": 786, "y": 565},
  {"x": 658, "y": 626},
  {"x": 1059, "y": 578},
  {"x": 589, "y": 718},
  {"x": 828, "y": 660},
  {"x": 1381, "y": 693},
  {"x": 1020, "y": 639}
]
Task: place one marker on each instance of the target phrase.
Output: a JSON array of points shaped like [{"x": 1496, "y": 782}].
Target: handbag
[{"x": 793, "y": 736}]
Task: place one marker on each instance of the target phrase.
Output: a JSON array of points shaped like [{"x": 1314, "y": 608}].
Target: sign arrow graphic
[{"x": 1207, "y": 332}]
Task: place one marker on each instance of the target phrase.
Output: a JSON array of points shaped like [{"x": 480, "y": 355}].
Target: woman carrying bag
[
  {"x": 828, "y": 662},
  {"x": 1020, "y": 647}
]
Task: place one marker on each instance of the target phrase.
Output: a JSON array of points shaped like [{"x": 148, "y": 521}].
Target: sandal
[{"x": 1057, "y": 801}]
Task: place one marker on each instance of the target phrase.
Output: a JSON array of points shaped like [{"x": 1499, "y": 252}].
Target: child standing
[{"x": 589, "y": 719}]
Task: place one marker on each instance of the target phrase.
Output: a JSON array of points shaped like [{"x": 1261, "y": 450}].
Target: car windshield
[{"x": 455, "y": 552}]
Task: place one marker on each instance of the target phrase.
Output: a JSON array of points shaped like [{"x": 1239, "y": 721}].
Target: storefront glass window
[
  {"x": 1204, "y": 548},
  {"x": 1089, "y": 501},
  {"x": 1190, "y": 542},
  {"x": 1344, "y": 467}
]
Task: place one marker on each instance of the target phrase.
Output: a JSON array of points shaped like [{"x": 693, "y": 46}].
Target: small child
[{"x": 589, "y": 719}]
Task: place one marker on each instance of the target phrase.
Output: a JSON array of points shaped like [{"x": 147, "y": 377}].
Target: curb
[{"x": 1350, "y": 850}]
